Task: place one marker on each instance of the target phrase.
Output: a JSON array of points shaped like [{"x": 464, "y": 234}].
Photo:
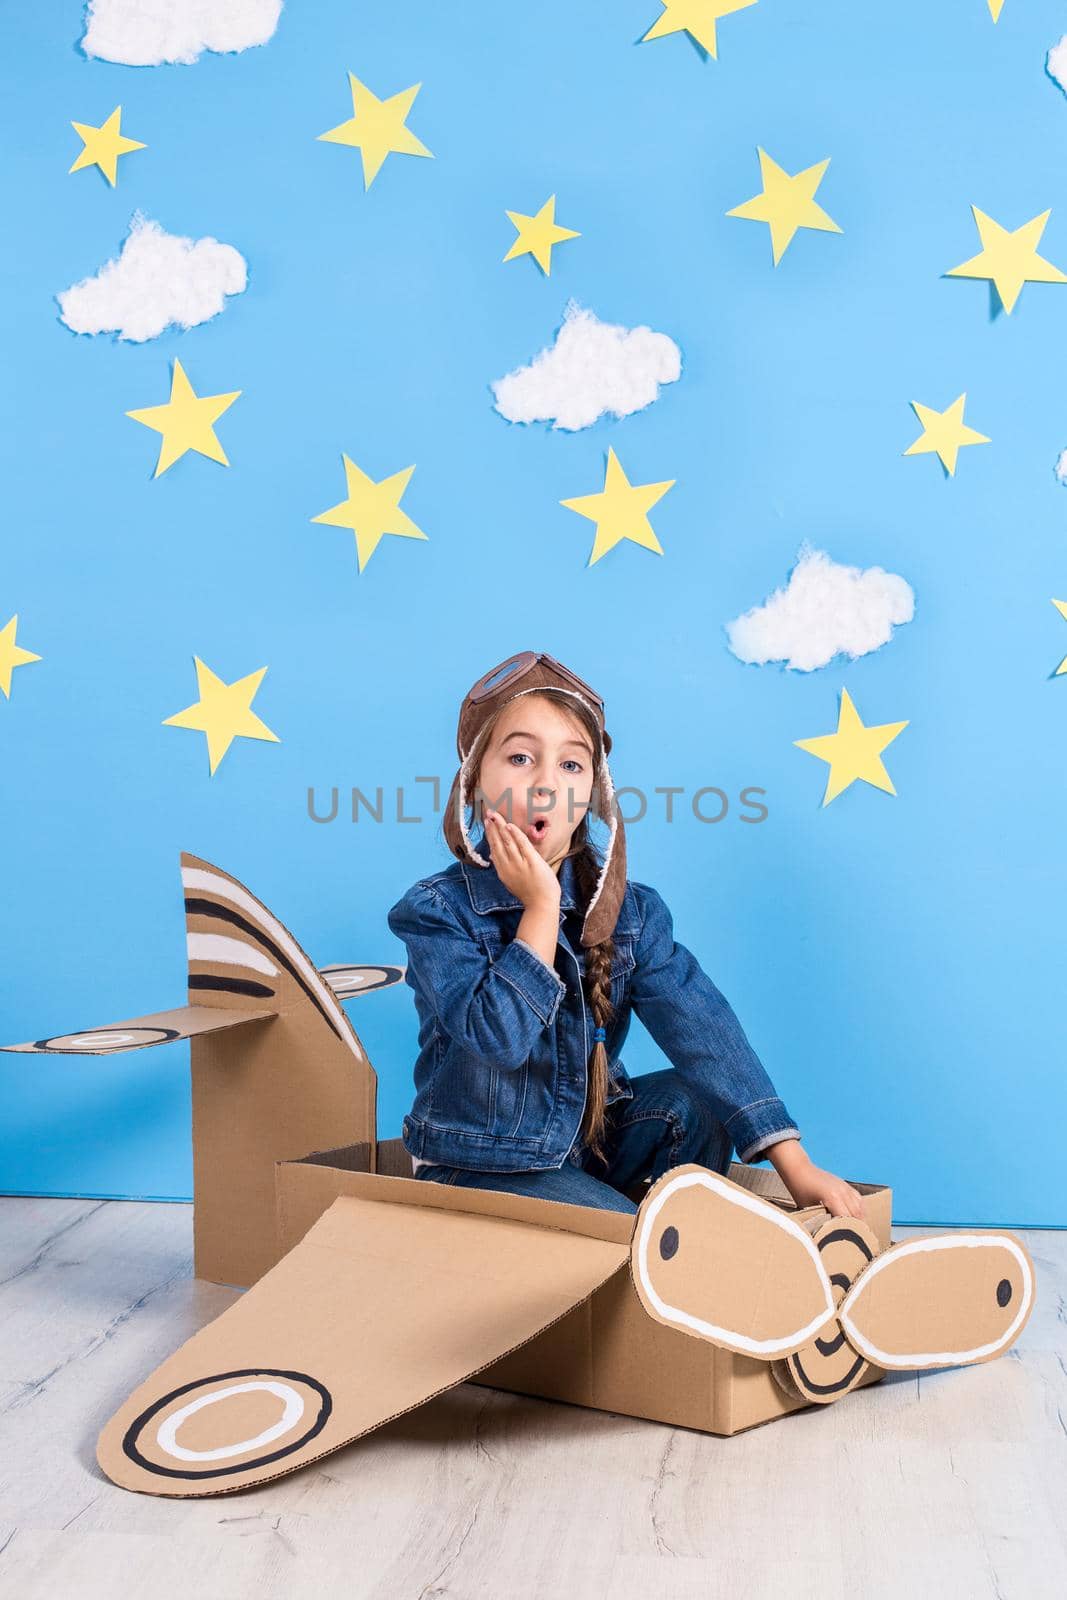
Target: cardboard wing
[
  {"x": 187, "y": 1022},
  {"x": 348, "y": 981},
  {"x": 378, "y": 1308},
  {"x": 718, "y": 1262},
  {"x": 138, "y": 1033}
]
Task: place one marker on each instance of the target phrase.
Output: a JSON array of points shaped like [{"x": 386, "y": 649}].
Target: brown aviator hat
[{"x": 540, "y": 671}]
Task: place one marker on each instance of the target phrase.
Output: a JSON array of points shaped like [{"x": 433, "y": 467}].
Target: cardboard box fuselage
[{"x": 607, "y": 1352}]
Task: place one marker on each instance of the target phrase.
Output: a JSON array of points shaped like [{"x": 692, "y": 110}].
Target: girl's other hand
[
  {"x": 813, "y": 1186},
  {"x": 518, "y": 865}
]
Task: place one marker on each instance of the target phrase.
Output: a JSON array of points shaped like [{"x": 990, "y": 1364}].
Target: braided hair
[{"x": 598, "y": 957}]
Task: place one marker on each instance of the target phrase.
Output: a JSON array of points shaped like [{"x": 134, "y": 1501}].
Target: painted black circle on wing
[
  {"x": 82, "y": 1043},
  {"x": 350, "y": 980},
  {"x": 1003, "y": 1292},
  {"x": 137, "y": 1427},
  {"x": 668, "y": 1243}
]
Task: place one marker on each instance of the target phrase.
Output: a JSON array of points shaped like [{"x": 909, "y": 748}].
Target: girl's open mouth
[{"x": 537, "y": 829}]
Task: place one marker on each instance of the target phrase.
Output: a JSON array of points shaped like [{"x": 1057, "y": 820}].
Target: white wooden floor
[{"x": 951, "y": 1486}]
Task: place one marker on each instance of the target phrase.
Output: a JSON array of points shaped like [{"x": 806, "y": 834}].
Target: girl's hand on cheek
[{"x": 517, "y": 863}]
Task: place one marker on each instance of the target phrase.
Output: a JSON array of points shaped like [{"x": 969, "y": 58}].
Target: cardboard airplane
[{"x": 718, "y": 1306}]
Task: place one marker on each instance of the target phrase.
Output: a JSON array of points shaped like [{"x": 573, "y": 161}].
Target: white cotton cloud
[
  {"x": 1056, "y": 63},
  {"x": 825, "y": 609},
  {"x": 1061, "y": 466},
  {"x": 593, "y": 367},
  {"x": 160, "y": 278},
  {"x": 146, "y": 33}
]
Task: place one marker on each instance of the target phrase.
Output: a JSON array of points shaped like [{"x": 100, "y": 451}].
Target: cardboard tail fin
[
  {"x": 260, "y": 1093},
  {"x": 261, "y": 1096},
  {"x": 378, "y": 1308}
]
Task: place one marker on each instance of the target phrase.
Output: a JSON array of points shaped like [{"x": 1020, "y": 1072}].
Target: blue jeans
[{"x": 662, "y": 1126}]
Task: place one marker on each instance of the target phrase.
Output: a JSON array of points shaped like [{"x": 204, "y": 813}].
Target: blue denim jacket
[{"x": 504, "y": 1039}]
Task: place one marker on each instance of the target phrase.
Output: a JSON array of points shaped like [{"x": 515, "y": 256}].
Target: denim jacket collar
[{"x": 488, "y": 893}]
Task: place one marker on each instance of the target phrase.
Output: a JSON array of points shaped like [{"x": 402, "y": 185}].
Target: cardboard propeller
[
  {"x": 721, "y": 1264},
  {"x": 371, "y": 1292}
]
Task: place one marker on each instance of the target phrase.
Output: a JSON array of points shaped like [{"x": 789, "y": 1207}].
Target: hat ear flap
[
  {"x": 458, "y": 798},
  {"x": 602, "y": 912},
  {"x": 464, "y": 773}
]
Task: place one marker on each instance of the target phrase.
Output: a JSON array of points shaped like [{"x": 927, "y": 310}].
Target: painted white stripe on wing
[
  {"x": 229, "y": 952},
  {"x": 294, "y": 1410},
  {"x": 101, "y": 1039}
]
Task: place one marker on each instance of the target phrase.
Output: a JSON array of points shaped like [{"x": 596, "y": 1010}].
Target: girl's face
[{"x": 537, "y": 771}]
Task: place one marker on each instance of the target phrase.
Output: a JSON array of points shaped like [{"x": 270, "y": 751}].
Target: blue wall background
[{"x": 897, "y": 962}]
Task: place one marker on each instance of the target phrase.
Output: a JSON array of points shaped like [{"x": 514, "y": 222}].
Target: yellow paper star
[
  {"x": 1009, "y": 260},
  {"x": 944, "y": 432},
  {"x": 371, "y": 510},
  {"x": 854, "y": 751},
  {"x": 696, "y": 18},
  {"x": 376, "y": 128},
  {"x": 102, "y": 146},
  {"x": 224, "y": 712},
  {"x": 537, "y": 235},
  {"x": 12, "y": 655},
  {"x": 620, "y": 510},
  {"x": 1061, "y": 607},
  {"x": 995, "y": 7},
  {"x": 787, "y": 202},
  {"x": 185, "y": 421}
]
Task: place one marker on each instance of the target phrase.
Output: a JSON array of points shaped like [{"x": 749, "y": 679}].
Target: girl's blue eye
[{"x": 518, "y": 755}]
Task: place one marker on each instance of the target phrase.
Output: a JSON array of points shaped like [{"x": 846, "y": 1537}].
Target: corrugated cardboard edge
[{"x": 308, "y": 1185}]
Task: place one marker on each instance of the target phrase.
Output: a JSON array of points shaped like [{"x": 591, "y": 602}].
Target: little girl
[{"x": 527, "y": 957}]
